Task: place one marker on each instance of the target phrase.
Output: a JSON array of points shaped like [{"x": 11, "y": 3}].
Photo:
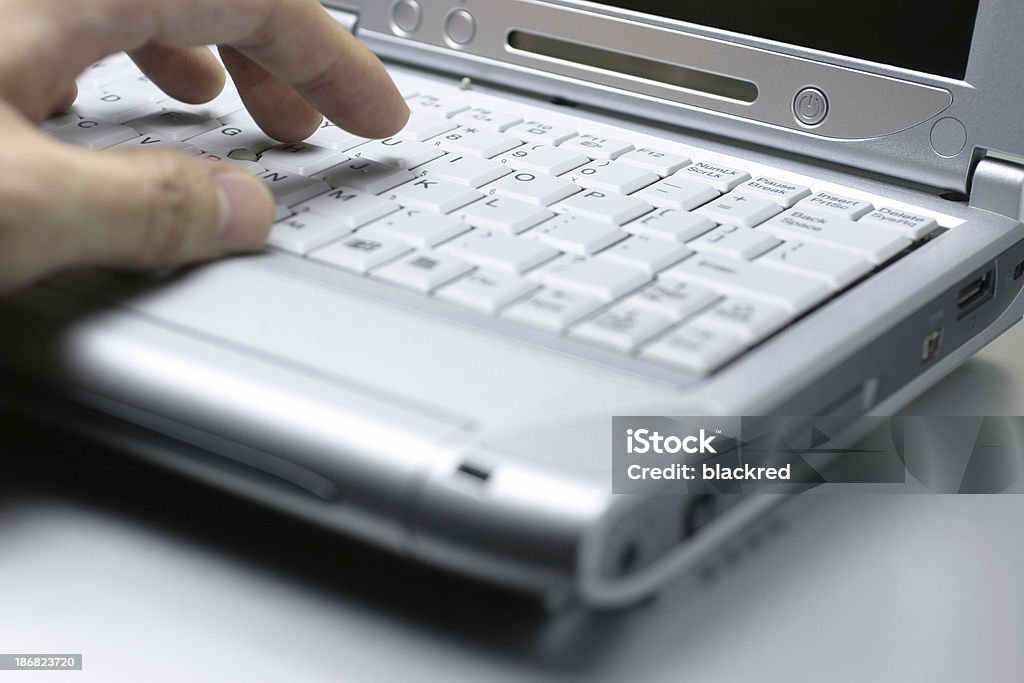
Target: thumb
[
  {"x": 153, "y": 209},
  {"x": 133, "y": 209}
]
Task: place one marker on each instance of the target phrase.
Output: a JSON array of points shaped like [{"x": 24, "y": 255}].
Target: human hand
[{"x": 61, "y": 205}]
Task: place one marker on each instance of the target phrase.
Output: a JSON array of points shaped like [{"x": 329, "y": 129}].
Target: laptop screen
[{"x": 913, "y": 34}]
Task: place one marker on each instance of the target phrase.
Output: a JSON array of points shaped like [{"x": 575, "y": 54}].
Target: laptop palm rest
[{"x": 386, "y": 350}]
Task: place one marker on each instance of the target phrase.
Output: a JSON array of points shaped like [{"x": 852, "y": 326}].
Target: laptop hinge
[
  {"x": 998, "y": 186},
  {"x": 343, "y": 15}
]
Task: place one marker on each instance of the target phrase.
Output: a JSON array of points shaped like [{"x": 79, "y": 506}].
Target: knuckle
[{"x": 274, "y": 10}]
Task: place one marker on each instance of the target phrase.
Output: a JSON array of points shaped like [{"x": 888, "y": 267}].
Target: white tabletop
[{"x": 153, "y": 578}]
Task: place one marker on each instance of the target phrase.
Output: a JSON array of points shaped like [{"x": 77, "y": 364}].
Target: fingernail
[{"x": 247, "y": 209}]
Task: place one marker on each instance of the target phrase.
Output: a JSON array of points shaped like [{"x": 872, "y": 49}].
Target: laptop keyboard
[{"x": 640, "y": 245}]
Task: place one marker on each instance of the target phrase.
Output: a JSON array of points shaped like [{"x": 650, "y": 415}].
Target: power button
[
  {"x": 810, "y": 106},
  {"x": 460, "y": 27}
]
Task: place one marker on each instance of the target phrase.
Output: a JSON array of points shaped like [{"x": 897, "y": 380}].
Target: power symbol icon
[{"x": 810, "y": 106}]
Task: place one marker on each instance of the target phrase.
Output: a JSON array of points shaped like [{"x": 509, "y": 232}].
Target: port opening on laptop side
[{"x": 643, "y": 539}]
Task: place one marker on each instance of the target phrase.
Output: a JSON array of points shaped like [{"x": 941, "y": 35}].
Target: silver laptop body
[{"x": 484, "y": 446}]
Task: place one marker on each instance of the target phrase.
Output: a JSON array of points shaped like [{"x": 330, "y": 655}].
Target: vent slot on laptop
[
  {"x": 474, "y": 471},
  {"x": 641, "y": 68}
]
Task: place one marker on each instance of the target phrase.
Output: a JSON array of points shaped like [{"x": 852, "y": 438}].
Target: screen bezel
[
  {"x": 980, "y": 101},
  {"x": 733, "y": 24}
]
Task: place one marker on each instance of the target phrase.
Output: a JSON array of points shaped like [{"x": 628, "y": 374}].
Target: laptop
[{"x": 598, "y": 209}]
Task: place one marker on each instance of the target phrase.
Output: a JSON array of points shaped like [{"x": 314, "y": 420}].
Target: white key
[
  {"x": 304, "y": 233},
  {"x": 245, "y": 164},
  {"x": 223, "y": 104},
  {"x": 749, "y": 319},
  {"x": 173, "y": 124},
  {"x": 649, "y": 254},
  {"x": 836, "y": 205},
  {"x": 779, "y": 191},
  {"x": 656, "y": 161},
  {"x": 907, "y": 224},
  {"x": 487, "y": 291},
  {"x": 795, "y": 293},
  {"x": 330, "y": 136},
  {"x": 465, "y": 170},
  {"x": 739, "y": 209},
  {"x": 408, "y": 90},
  {"x": 290, "y": 189},
  {"x": 424, "y": 125},
  {"x": 105, "y": 71},
  {"x": 612, "y": 176},
  {"x": 623, "y": 327},
  {"x": 435, "y": 104},
  {"x": 241, "y": 117},
  {"x": 487, "y": 118},
  {"x": 601, "y": 279},
  {"x": 476, "y": 141},
  {"x": 94, "y": 134},
  {"x": 140, "y": 85},
  {"x": 609, "y": 207},
  {"x": 227, "y": 100},
  {"x": 361, "y": 252},
  {"x": 499, "y": 251},
  {"x": 228, "y": 138},
  {"x": 722, "y": 178},
  {"x": 675, "y": 300},
  {"x": 155, "y": 142},
  {"x": 302, "y": 158},
  {"x": 423, "y": 271},
  {"x": 539, "y": 131},
  {"x": 436, "y": 195},
  {"x": 670, "y": 224},
  {"x": 57, "y": 121},
  {"x": 353, "y": 207},
  {"x": 697, "y": 349},
  {"x": 728, "y": 240},
  {"x": 366, "y": 175},
  {"x": 577, "y": 235},
  {"x": 398, "y": 152},
  {"x": 678, "y": 193},
  {"x": 542, "y": 159},
  {"x": 836, "y": 267},
  {"x": 597, "y": 146},
  {"x": 533, "y": 187},
  {"x": 552, "y": 309},
  {"x": 420, "y": 229},
  {"x": 504, "y": 214},
  {"x": 115, "y": 107},
  {"x": 876, "y": 244}
]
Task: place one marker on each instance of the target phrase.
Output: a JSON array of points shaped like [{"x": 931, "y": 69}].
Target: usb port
[
  {"x": 930, "y": 345},
  {"x": 975, "y": 291}
]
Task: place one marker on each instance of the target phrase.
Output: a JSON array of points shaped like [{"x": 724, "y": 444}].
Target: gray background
[{"x": 155, "y": 578}]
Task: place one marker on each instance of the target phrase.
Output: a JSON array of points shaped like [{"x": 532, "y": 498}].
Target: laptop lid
[{"x": 913, "y": 90}]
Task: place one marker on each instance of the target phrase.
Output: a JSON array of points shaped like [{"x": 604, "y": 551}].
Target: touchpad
[{"x": 492, "y": 382}]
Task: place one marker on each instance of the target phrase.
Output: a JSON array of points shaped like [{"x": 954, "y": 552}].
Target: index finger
[{"x": 296, "y": 40}]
